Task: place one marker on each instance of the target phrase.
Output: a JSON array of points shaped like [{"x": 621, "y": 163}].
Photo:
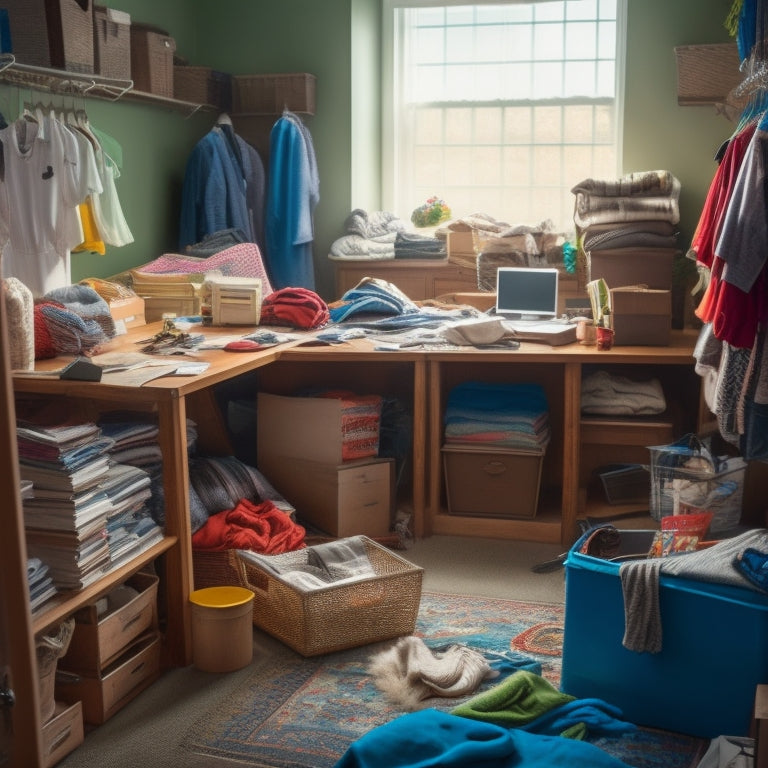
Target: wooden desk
[{"x": 422, "y": 379}]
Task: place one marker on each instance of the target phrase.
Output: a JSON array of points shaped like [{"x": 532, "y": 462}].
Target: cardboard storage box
[
  {"x": 96, "y": 641},
  {"x": 492, "y": 482},
  {"x": 105, "y": 693},
  {"x": 127, "y": 313},
  {"x": 703, "y": 680},
  {"x": 311, "y": 428},
  {"x": 347, "y": 499},
  {"x": 641, "y": 316},
  {"x": 344, "y": 615},
  {"x": 63, "y": 733},
  {"x": 633, "y": 266}
]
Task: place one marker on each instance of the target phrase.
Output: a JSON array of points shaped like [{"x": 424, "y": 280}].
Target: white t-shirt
[{"x": 43, "y": 183}]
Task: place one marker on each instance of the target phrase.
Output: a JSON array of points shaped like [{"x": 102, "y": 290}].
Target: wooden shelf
[{"x": 65, "y": 604}]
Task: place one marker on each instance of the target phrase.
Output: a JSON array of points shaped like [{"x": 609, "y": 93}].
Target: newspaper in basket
[{"x": 685, "y": 476}]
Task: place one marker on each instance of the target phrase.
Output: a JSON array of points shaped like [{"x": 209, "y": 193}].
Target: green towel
[{"x": 518, "y": 700}]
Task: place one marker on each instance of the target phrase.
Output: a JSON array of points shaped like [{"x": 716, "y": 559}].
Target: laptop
[{"x": 526, "y": 299}]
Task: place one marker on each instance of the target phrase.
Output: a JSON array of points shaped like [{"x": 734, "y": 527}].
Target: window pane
[{"x": 511, "y": 105}]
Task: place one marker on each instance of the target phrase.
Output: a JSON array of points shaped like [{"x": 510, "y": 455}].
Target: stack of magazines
[{"x": 87, "y": 514}]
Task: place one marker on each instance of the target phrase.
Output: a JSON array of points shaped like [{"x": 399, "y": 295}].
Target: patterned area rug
[{"x": 293, "y": 712}]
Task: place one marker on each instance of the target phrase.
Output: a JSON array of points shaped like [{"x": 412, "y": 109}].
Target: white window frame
[{"x": 391, "y": 120}]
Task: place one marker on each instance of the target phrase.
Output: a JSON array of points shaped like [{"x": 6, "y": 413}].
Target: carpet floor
[{"x": 291, "y": 712}]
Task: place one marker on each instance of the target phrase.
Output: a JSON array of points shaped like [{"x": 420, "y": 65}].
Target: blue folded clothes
[
  {"x": 372, "y": 296},
  {"x": 753, "y": 564}
]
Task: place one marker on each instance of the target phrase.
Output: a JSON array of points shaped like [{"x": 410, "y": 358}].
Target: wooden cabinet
[{"x": 417, "y": 278}]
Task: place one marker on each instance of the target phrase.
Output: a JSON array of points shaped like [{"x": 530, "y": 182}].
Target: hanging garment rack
[{"x": 59, "y": 81}]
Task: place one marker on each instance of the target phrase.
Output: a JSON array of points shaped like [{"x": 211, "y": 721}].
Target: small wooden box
[
  {"x": 492, "y": 482},
  {"x": 641, "y": 316},
  {"x": 107, "y": 692},
  {"x": 62, "y": 733},
  {"x": 96, "y": 642}
]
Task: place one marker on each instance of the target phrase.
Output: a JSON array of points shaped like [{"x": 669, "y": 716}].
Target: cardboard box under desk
[
  {"x": 641, "y": 316},
  {"x": 307, "y": 428},
  {"x": 99, "y": 640},
  {"x": 347, "y": 499},
  {"x": 105, "y": 693}
]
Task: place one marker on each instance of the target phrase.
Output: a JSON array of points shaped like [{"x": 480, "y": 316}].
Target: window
[{"x": 500, "y": 108}]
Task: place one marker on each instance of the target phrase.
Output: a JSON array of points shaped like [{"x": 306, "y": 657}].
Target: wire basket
[{"x": 685, "y": 475}]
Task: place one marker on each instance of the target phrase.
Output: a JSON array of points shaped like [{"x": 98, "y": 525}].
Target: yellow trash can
[{"x": 222, "y": 628}]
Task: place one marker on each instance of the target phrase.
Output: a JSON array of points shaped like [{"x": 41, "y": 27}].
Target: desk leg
[
  {"x": 571, "y": 450},
  {"x": 173, "y": 444},
  {"x": 420, "y": 443}
]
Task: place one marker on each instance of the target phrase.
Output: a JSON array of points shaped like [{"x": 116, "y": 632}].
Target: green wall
[{"x": 338, "y": 41}]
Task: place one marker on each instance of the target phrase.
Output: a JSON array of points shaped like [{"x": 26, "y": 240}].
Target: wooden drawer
[
  {"x": 62, "y": 733},
  {"x": 611, "y": 431},
  {"x": 106, "y": 693},
  {"x": 97, "y": 642}
]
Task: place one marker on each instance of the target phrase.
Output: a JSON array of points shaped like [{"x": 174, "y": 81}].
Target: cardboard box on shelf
[
  {"x": 127, "y": 313},
  {"x": 347, "y": 499},
  {"x": 105, "y": 693},
  {"x": 99, "y": 639},
  {"x": 633, "y": 266},
  {"x": 641, "y": 316}
]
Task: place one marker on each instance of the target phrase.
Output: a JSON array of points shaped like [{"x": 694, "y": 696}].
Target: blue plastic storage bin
[{"x": 714, "y": 650}]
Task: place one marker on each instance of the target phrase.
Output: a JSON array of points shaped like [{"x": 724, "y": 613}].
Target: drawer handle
[
  {"x": 495, "y": 468},
  {"x": 133, "y": 620},
  {"x": 137, "y": 668},
  {"x": 60, "y": 738}
]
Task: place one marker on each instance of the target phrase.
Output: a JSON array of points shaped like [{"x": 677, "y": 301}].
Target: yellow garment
[{"x": 91, "y": 236}]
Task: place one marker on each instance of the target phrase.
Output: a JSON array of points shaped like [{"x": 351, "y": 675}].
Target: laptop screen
[{"x": 526, "y": 292}]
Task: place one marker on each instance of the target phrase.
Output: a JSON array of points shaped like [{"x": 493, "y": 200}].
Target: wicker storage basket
[
  {"x": 706, "y": 74},
  {"x": 52, "y": 33},
  {"x": 203, "y": 85},
  {"x": 271, "y": 94},
  {"x": 152, "y": 60},
  {"x": 329, "y": 619},
  {"x": 112, "y": 43}
]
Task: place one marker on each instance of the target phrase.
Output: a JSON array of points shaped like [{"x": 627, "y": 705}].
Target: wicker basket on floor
[{"x": 333, "y": 618}]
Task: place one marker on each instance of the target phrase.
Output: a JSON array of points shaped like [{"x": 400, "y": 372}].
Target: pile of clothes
[
  {"x": 629, "y": 217},
  {"x": 505, "y": 415}
]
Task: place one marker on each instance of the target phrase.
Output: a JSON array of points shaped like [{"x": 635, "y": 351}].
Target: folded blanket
[
  {"x": 356, "y": 247},
  {"x": 610, "y": 394},
  {"x": 640, "y": 184},
  {"x": 593, "y": 209}
]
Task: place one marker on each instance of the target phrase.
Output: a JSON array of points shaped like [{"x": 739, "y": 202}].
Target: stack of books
[
  {"x": 65, "y": 519},
  {"x": 130, "y": 527}
]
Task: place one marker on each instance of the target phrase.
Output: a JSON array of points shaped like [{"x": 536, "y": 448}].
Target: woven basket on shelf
[
  {"x": 271, "y": 94},
  {"x": 706, "y": 74},
  {"x": 323, "y": 620},
  {"x": 203, "y": 85},
  {"x": 112, "y": 43},
  {"x": 52, "y": 33},
  {"x": 152, "y": 60}
]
